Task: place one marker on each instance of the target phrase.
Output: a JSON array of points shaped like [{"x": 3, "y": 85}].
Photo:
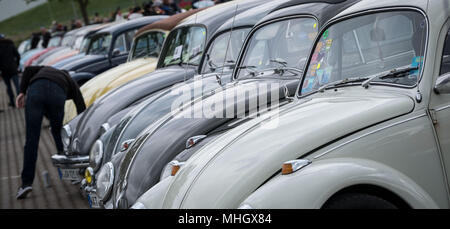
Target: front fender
[
  {"x": 313, "y": 185},
  {"x": 154, "y": 197}
]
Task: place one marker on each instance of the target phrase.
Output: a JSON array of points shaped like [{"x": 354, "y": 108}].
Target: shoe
[{"x": 23, "y": 192}]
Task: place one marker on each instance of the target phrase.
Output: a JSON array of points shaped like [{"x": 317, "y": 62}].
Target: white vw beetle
[{"x": 370, "y": 127}]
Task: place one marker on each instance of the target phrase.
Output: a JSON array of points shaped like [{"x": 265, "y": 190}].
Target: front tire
[{"x": 358, "y": 201}]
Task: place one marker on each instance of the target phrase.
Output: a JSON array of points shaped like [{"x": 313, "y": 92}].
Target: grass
[{"x": 20, "y": 27}]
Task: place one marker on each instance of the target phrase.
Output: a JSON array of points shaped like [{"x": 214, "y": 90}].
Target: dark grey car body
[
  {"x": 141, "y": 166},
  {"x": 87, "y": 128}
]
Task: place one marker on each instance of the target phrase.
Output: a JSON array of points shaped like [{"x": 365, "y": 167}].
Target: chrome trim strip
[
  {"x": 369, "y": 133},
  {"x": 442, "y": 108}
]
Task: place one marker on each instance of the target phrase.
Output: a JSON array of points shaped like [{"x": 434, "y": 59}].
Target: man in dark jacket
[
  {"x": 45, "y": 37},
  {"x": 47, "y": 90},
  {"x": 9, "y": 61}
]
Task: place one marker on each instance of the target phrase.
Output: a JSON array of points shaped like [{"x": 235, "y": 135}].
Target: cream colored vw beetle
[{"x": 370, "y": 127}]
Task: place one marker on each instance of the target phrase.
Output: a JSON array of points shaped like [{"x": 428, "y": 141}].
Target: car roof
[
  {"x": 251, "y": 16},
  {"x": 138, "y": 22},
  {"x": 169, "y": 23},
  {"x": 370, "y": 4},
  {"x": 324, "y": 10},
  {"x": 213, "y": 17}
]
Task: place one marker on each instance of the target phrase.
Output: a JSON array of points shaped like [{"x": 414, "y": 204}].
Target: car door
[
  {"x": 440, "y": 103},
  {"x": 121, "y": 47}
]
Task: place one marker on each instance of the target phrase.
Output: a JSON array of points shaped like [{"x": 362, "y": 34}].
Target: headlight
[
  {"x": 96, "y": 155},
  {"x": 105, "y": 181},
  {"x": 171, "y": 169},
  {"x": 66, "y": 134}
]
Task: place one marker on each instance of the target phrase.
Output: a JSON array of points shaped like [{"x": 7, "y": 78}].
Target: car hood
[
  {"x": 226, "y": 171},
  {"x": 87, "y": 130},
  {"x": 62, "y": 63},
  {"x": 158, "y": 149},
  {"x": 106, "y": 81},
  {"x": 86, "y": 60}
]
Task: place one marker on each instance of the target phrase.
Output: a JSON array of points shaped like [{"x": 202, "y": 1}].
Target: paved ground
[{"x": 61, "y": 194}]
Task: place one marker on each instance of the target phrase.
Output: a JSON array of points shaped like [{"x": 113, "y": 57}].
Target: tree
[{"x": 82, "y": 5}]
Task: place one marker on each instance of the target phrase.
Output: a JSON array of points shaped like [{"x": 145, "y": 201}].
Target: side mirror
[
  {"x": 442, "y": 85},
  {"x": 116, "y": 52}
]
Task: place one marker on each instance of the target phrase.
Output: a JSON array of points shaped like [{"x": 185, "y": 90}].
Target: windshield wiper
[
  {"x": 341, "y": 82},
  {"x": 214, "y": 67},
  {"x": 284, "y": 68},
  {"x": 253, "y": 72},
  {"x": 394, "y": 73}
]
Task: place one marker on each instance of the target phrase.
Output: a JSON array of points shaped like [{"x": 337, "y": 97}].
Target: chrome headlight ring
[
  {"x": 96, "y": 155},
  {"x": 105, "y": 181}
]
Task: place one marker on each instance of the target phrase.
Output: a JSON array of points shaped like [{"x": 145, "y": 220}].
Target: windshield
[
  {"x": 67, "y": 40},
  {"x": 185, "y": 46},
  {"x": 367, "y": 46},
  {"x": 287, "y": 41},
  {"x": 85, "y": 45},
  {"x": 78, "y": 42},
  {"x": 100, "y": 44},
  {"x": 148, "y": 45},
  {"x": 54, "y": 41},
  {"x": 229, "y": 44}
]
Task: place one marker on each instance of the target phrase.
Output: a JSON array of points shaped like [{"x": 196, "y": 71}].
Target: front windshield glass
[
  {"x": 148, "y": 45},
  {"x": 368, "y": 46},
  {"x": 229, "y": 44},
  {"x": 185, "y": 46},
  {"x": 285, "y": 43},
  {"x": 67, "y": 40},
  {"x": 85, "y": 45},
  {"x": 100, "y": 44},
  {"x": 54, "y": 41},
  {"x": 78, "y": 42}
]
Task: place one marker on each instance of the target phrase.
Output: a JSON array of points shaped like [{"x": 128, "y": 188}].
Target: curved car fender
[
  {"x": 313, "y": 185},
  {"x": 154, "y": 197},
  {"x": 82, "y": 77}
]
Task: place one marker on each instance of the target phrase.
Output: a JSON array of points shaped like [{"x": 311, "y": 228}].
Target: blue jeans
[
  {"x": 44, "y": 98},
  {"x": 7, "y": 80}
]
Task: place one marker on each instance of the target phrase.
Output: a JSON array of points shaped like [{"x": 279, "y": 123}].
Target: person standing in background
[
  {"x": 45, "y": 37},
  {"x": 47, "y": 90},
  {"x": 170, "y": 7},
  {"x": 9, "y": 61}
]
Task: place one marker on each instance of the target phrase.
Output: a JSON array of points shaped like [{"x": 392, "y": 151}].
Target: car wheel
[{"x": 358, "y": 201}]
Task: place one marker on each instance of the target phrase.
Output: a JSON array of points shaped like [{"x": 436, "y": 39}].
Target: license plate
[
  {"x": 69, "y": 174},
  {"x": 93, "y": 201}
]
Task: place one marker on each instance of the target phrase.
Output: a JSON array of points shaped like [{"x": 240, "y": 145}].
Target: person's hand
[{"x": 20, "y": 100}]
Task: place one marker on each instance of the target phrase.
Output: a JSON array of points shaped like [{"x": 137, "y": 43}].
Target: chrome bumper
[{"x": 63, "y": 161}]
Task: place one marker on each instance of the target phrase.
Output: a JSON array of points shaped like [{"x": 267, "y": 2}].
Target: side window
[
  {"x": 445, "y": 64},
  {"x": 120, "y": 44}
]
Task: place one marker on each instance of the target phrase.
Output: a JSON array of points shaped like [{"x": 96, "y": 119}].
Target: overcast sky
[{"x": 9, "y": 8}]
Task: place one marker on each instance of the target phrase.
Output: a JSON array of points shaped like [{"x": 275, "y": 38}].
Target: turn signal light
[
  {"x": 293, "y": 166},
  {"x": 176, "y": 167}
]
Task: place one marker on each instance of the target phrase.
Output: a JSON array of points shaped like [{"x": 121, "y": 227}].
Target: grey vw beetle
[
  {"x": 371, "y": 133},
  {"x": 142, "y": 164},
  {"x": 217, "y": 73}
]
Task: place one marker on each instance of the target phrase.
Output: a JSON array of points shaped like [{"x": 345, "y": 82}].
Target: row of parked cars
[{"x": 265, "y": 104}]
